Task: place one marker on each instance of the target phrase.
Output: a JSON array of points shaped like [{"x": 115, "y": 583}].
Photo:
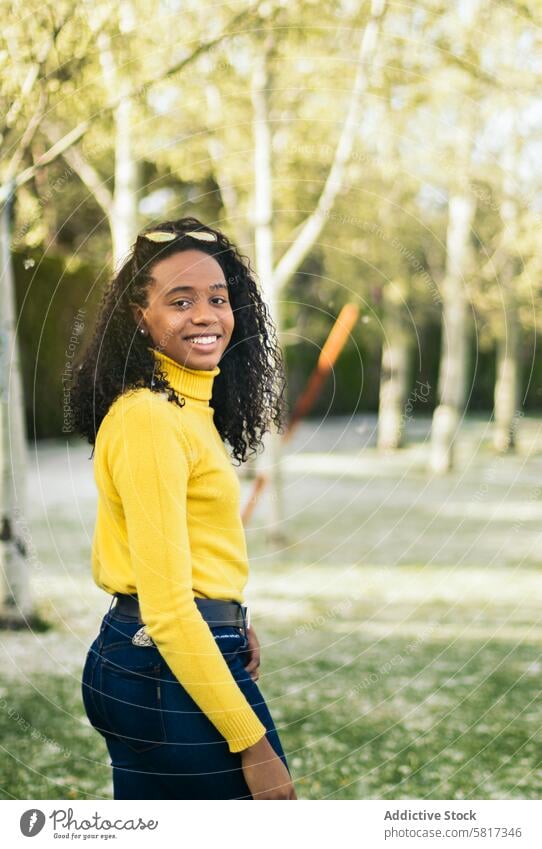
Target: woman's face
[{"x": 187, "y": 299}]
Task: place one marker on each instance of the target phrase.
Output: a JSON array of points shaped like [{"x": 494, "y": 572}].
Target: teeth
[{"x": 204, "y": 340}]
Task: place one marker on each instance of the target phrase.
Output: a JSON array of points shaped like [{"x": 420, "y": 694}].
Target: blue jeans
[{"x": 161, "y": 744}]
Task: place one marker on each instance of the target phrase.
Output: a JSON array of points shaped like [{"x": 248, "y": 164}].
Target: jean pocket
[
  {"x": 130, "y": 700},
  {"x": 231, "y": 641}
]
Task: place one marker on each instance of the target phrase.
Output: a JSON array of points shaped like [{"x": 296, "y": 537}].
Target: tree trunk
[
  {"x": 507, "y": 385},
  {"x": 452, "y": 382},
  {"x": 270, "y": 461},
  {"x": 125, "y": 215},
  {"x": 394, "y": 371},
  {"x": 17, "y": 605}
]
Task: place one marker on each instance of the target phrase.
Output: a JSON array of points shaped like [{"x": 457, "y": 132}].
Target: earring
[{"x": 142, "y": 331}]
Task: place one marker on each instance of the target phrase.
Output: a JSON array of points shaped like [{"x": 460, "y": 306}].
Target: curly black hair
[{"x": 248, "y": 394}]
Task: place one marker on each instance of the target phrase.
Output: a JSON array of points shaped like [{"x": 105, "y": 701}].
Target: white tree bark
[
  {"x": 455, "y": 325},
  {"x": 394, "y": 371},
  {"x": 508, "y": 372},
  {"x": 507, "y": 384},
  {"x": 124, "y": 221},
  {"x": 125, "y": 212},
  {"x": 16, "y": 596}
]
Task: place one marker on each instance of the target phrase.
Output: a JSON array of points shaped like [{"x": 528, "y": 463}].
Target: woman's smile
[{"x": 204, "y": 341}]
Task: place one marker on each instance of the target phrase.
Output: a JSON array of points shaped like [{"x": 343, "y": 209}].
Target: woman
[{"x": 170, "y": 680}]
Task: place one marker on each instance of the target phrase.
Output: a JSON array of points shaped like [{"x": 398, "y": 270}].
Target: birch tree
[
  {"x": 395, "y": 366},
  {"x": 508, "y": 371},
  {"x": 26, "y": 89},
  {"x": 452, "y": 384},
  {"x": 273, "y": 273}
]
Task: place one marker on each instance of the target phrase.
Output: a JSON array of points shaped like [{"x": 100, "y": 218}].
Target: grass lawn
[
  {"x": 375, "y": 696},
  {"x": 400, "y": 628}
]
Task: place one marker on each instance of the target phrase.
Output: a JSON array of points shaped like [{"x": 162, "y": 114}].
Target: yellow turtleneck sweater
[{"x": 168, "y": 527}]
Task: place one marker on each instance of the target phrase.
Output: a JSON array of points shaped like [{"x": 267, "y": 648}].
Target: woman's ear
[{"x": 138, "y": 314}]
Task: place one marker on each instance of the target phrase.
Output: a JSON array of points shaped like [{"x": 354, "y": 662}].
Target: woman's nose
[{"x": 202, "y": 312}]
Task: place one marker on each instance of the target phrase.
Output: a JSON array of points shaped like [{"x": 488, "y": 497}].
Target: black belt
[{"x": 215, "y": 611}]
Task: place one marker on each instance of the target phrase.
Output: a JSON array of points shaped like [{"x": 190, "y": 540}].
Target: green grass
[
  {"x": 434, "y": 723},
  {"x": 400, "y": 627},
  {"x": 424, "y": 700},
  {"x": 387, "y": 695},
  {"x": 49, "y": 751}
]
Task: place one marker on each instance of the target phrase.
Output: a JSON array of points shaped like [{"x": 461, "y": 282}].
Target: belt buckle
[
  {"x": 141, "y": 638},
  {"x": 247, "y": 620}
]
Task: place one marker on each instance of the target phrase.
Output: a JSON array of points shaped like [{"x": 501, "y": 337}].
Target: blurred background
[{"x": 379, "y": 164}]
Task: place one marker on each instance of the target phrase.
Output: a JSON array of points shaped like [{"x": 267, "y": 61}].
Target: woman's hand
[
  {"x": 265, "y": 773},
  {"x": 253, "y": 653}
]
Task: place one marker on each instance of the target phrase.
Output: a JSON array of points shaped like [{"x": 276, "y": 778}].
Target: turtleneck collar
[{"x": 194, "y": 383}]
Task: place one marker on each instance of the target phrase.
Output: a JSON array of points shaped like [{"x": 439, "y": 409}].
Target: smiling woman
[{"x": 170, "y": 680}]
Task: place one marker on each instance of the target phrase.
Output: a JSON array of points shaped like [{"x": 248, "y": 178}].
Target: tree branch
[
  {"x": 79, "y": 131},
  {"x": 88, "y": 174},
  {"x": 314, "y": 223},
  {"x": 26, "y": 139}
]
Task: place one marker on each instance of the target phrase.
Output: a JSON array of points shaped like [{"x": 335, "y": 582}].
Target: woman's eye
[{"x": 182, "y": 302}]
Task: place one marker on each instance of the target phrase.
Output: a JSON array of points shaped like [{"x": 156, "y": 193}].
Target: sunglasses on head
[{"x": 168, "y": 235}]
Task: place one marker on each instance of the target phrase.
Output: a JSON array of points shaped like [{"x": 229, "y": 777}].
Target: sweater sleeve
[{"x": 150, "y": 461}]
